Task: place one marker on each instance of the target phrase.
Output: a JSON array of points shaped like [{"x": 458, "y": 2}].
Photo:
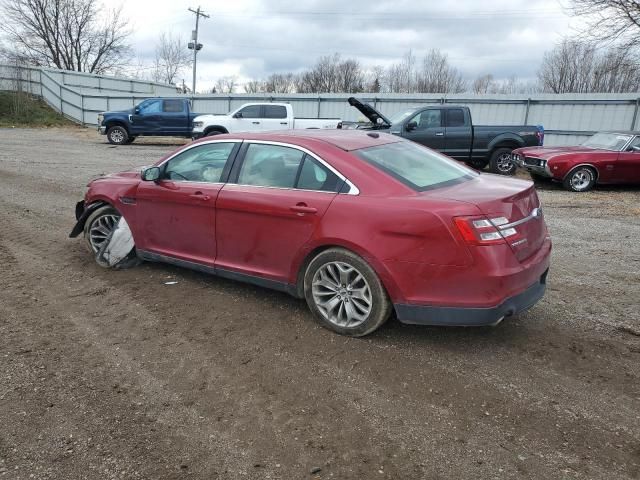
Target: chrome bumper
[
  {"x": 541, "y": 168},
  {"x": 102, "y": 130}
]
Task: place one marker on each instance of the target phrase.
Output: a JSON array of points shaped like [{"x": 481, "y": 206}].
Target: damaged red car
[{"x": 360, "y": 224}]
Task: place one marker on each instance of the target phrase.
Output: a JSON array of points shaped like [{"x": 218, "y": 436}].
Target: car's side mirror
[
  {"x": 411, "y": 126},
  {"x": 150, "y": 174},
  {"x": 237, "y": 115},
  {"x": 136, "y": 110}
]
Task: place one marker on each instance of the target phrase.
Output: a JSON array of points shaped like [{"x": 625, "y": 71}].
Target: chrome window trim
[{"x": 353, "y": 190}]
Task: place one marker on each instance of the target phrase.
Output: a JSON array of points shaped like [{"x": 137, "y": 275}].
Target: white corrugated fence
[{"x": 567, "y": 118}]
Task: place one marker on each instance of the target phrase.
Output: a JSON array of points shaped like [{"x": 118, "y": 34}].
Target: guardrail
[{"x": 567, "y": 118}]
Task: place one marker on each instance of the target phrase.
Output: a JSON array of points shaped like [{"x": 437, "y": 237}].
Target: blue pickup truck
[{"x": 169, "y": 117}]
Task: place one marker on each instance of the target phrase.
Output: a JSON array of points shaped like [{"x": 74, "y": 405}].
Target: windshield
[
  {"x": 401, "y": 116},
  {"x": 607, "y": 141},
  {"x": 416, "y": 166}
]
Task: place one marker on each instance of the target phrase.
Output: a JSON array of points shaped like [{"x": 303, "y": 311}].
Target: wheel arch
[
  {"x": 504, "y": 141},
  {"x": 88, "y": 210},
  {"x": 585, "y": 164},
  {"x": 117, "y": 123},
  {"x": 377, "y": 266},
  {"x": 215, "y": 128}
]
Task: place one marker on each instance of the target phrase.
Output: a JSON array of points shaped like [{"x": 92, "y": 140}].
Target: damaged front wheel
[{"x": 108, "y": 237}]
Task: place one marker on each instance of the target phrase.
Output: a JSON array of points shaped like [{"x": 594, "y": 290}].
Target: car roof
[{"x": 346, "y": 140}]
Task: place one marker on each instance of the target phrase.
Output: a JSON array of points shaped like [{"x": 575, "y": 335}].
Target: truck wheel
[
  {"x": 211, "y": 133},
  {"x": 117, "y": 135},
  {"x": 501, "y": 162}
]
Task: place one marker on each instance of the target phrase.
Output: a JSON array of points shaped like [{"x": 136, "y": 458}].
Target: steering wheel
[{"x": 170, "y": 174}]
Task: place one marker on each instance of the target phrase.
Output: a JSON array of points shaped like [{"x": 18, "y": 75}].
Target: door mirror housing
[
  {"x": 411, "y": 126},
  {"x": 150, "y": 174},
  {"x": 237, "y": 115},
  {"x": 136, "y": 110}
]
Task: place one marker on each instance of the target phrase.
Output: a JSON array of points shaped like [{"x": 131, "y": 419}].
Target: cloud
[{"x": 254, "y": 38}]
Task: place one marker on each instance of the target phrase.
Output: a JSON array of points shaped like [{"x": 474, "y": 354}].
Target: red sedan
[
  {"x": 359, "y": 224},
  {"x": 605, "y": 158}
]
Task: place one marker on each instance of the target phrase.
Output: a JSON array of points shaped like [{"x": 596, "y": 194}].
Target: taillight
[
  {"x": 540, "y": 135},
  {"x": 485, "y": 231}
]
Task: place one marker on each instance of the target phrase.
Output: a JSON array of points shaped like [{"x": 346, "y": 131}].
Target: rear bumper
[{"x": 470, "y": 316}]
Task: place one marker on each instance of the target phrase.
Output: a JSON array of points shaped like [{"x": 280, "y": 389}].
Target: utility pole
[{"x": 194, "y": 45}]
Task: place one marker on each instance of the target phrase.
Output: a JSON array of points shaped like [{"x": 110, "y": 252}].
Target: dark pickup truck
[
  {"x": 448, "y": 129},
  {"x": 168, "y": 117}
]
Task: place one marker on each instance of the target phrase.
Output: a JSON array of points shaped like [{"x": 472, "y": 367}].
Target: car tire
[
  {"x": 345, "y": 294},
  {"x": 97, "y": 230},
  {"x": 580, "y": 179},
  {"x": 501, "y": 162},
  {"x": 117, "y": 135}
]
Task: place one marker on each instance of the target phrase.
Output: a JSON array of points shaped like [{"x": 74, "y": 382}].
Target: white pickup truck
[{"x": 257, "y": 117}]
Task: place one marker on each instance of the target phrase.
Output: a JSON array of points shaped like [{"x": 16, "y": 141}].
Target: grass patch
[{"x": 24, "y": 110}]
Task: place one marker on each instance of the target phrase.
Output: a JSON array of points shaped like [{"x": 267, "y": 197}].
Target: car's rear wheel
[
  {"x": 97, "y": 231},
  {"x": 345, "y": 294},
  {"x": 117, "y": 135},
  {"x": 501, "y": 162},
  {"x": 580, "y": 179}
]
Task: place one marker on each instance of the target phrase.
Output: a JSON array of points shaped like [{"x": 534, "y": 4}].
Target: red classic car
[
  {"x": 357, "y": 223},
  {"x": 605, "y": 158}
]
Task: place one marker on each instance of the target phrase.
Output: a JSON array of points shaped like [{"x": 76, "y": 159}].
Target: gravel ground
[{"x": 115, "y": 374}]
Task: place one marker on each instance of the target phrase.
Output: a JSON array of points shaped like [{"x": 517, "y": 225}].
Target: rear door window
[
  {"x": 173, "y": 106},
  {"x": 270, "y": 166},
  {"x": 455, "y": 117},
  {"x": 275, "y": 111}
]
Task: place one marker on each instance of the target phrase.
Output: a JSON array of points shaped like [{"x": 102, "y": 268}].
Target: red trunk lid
[{"x": 498, "y": 196}]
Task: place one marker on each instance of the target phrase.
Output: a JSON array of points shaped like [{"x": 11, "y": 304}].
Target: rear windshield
[{"x": 416, "y": 166}]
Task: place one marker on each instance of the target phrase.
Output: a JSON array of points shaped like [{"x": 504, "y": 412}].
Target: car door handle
[
  {"x": 439, "y": 134},
  {"x": 200, "y": 196},
  {"x": 284, "y": 123},
  {"x": 303, "y": 208},
  {"x": 256, "y": 123}
]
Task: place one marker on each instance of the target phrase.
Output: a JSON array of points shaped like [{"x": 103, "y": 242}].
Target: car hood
[
  {"x": 547, "y": 153},
  {"x": 209, "y": 116},
  {"x": 371, "y": 113},
  {"x": 133, "y": 173},
  {"x": 118, "y": 112}
]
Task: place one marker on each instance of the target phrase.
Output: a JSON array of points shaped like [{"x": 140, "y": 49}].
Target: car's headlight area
[{"x": 198, "y": 124}]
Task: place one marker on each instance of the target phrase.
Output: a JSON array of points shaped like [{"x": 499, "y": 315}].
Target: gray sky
[{"x": 253, "y": 38}]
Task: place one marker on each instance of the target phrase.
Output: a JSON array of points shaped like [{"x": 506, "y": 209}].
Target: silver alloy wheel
[
  {"x": 581, "y": 179},
  {"x": 116, "y": 136},
  {"x": 342, "y": 294},
  {"x": 101, "y": 228},
  {"x": 504, "y": 163}
]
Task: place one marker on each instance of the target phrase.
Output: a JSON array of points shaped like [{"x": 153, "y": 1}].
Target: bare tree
[
  {"x": 226, "y": 84},
  {"x": 280, "y": 83},
  {"x": 172, "y": 57},
  {"x": 616, "y": 22},
  {"x": 575, "y": 66},
  {"x": 254, "y": 86},
  {"x": 67, "y": 34},
  {"x": 438, "y": 76},
  {"x": 483, "y": 84}
]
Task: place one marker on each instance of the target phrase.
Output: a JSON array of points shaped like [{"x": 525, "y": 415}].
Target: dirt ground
[{"x": 115, "y": 374}]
